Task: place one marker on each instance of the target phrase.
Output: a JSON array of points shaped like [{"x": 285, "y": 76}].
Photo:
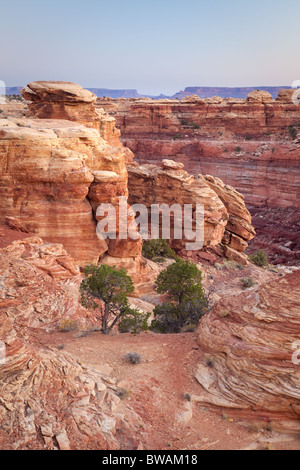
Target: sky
[{"x": 154, "y": 46}]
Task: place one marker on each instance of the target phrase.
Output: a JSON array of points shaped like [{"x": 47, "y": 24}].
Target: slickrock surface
[
  {"x": 226, "y": 218},
  {"x": 47, "y": 399},
  {"x": 249, "y": 344}
]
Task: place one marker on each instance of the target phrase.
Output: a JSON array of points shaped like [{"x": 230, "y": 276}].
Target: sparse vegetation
[
  {"x": 105, "y": 289},
  {"x": 293, "y": 132},
  {"x": 184, "y": 122},
  {"x": 260, "y": 258},
  {"x": 238, "y": 149},
  {"x": 209, "y": 360},
  {"x": 247, "y": 282},
  {"x": 67, "y": 325},
  {"x": 133, "y": 358},
  {"x": 157, "y": 250},
  {"x": 186, "y": 304},
  {"x": 123, "y": 393},
  {"x": 176, "y": 137}
]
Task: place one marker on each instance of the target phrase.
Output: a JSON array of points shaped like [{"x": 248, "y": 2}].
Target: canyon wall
[
  {"x": 250, "y": 144},
  {"x": 65, "y": 158},
  {"x": 246, "y": 143}
]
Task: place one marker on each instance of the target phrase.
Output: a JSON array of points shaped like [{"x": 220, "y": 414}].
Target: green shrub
[
  {"x": 186, "y": 303},
  {"x": 157, "y": 249},
  {"x": 248, "y": 282},
  {"x": 260, "y": 258},
  {"x": 133, "y": 322},
  {"x": 123, "y": 393},
  {"x": 176, "y": 137},
  {"x": 238, "y": 149},
  {"x": 293, "y": 132}
]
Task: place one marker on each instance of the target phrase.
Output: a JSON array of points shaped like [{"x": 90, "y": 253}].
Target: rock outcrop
[
  {"x": 226, "y": 218},
  {"x": 251, "y": 362},
  {"x": 47, "y": 399},
  {"x": 56, "y": 171}
]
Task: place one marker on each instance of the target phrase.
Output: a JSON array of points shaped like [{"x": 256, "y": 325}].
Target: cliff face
[
  {"x": 226, "y": 218},
  {"x": 251, "y": 363},
  {"x": 247, "y": 143},
  {"x": 56, "y": 171}
]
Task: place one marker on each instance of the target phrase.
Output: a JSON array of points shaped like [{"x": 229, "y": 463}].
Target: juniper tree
[{"x": 106, "y": 288}]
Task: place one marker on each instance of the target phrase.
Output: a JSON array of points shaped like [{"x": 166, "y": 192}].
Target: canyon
[
  {"x": 62, "y": 383},
  {"x": 250, "y": 144}
]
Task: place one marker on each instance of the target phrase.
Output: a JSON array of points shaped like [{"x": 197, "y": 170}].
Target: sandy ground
[{"x": 158, "y": 389}]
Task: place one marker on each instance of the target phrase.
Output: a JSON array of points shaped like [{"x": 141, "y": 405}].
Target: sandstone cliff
[
  {"x": 52, "y": 168},
  {"x": 247, "y": 143},
  {"x": 226, "y": 218}
]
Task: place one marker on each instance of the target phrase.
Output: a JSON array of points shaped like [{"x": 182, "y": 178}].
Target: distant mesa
[{"x": 202, "y": 92}]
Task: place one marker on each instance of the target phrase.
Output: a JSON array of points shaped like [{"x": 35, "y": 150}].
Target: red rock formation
[
  {"x": 249, "y": 144},
  {"x": 249, "y": 363},
  {"x": 54, "y": 171},
  {"x": 48, "y": 400},
  {"x": 226, "y": 218},
  {"x": 246, "y": 143}
]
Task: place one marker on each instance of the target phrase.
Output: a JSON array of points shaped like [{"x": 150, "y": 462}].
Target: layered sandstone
[
  {"x": 226, "y": 218},
  {"x": 47, "y": 399},
  {"x": 56, "y": 171},
  {"x": 249, "y": 144},
  {"x": 251, "y": 362}
]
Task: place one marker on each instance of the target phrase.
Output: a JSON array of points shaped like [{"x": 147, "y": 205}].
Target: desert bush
[
  {"x": 67, "y": 325},
  {"x": 247, "y": 282},
  {"x": 157, "y": 250},
  {"x": 134, "y": 322},
  {"x": 133, "y": 358},
  {"x": 293, "y": 132},
  {"x": 260, "y": 258},
  {"x": 123, "y": 393}
]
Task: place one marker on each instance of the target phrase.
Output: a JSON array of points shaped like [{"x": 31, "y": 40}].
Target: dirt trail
[{"x": 159, "y": 389}]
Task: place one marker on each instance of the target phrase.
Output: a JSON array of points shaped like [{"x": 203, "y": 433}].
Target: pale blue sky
[{"x": 157, "y": 46}]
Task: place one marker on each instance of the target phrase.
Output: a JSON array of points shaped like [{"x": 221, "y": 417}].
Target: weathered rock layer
[
  {"x": 251, "y": 362},
  {"x": 250, "y": 144},
  {"x": 47, "y": 399},
  {"x": 55, "y": 171},
  {"x": 226, "y": 218}
]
